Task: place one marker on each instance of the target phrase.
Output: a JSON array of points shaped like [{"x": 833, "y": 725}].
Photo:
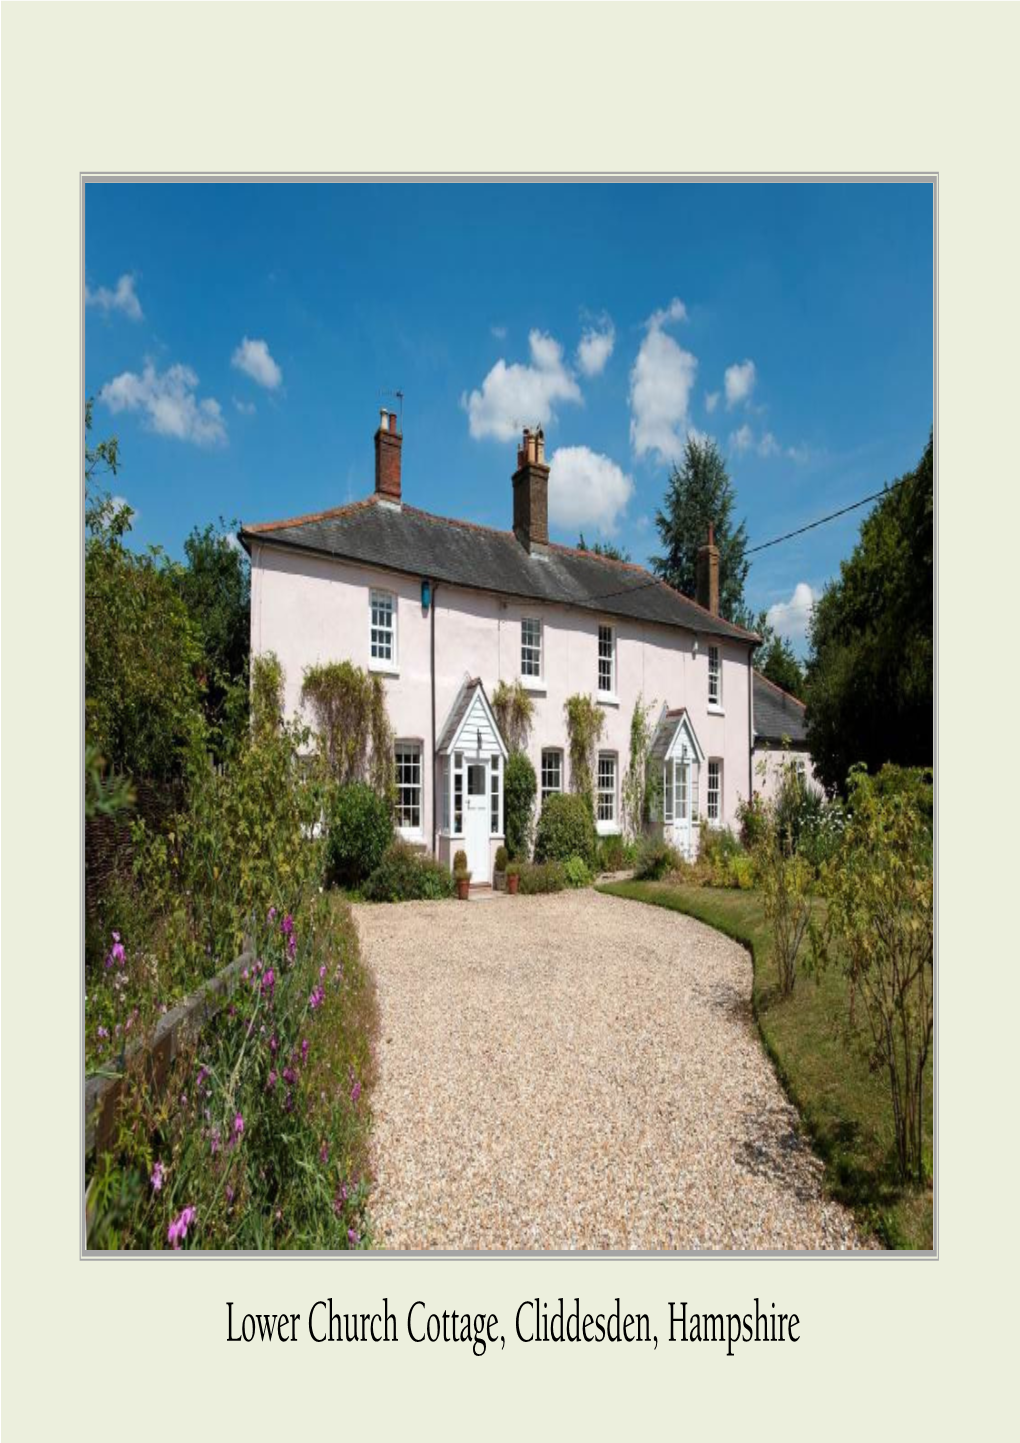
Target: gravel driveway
[{"x": 578, "y": 1071}]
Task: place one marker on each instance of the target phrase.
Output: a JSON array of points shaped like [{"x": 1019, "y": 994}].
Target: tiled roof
[
  {"x": 777, "y": 714},
  {"x": 417, "y": 543}
]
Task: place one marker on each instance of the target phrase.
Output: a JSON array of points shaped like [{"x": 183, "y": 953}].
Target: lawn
[{"x": 845, "y": 1107}]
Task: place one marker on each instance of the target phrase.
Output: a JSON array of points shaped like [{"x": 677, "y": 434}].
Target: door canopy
[{"x": 471, "y": 726}]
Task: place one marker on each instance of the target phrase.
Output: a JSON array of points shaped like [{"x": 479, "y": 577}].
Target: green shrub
[
  {"x": 538, "y": 877},
  {"x": 405, "y": 875},
  {"x": 359, "y": 828},
  {"x": 501, "y": 859},
  {"x": 577, "y": 871},
  {"x": 519, "y": 789},
  {"x": 741, "y": 872},
  {"x": 753, "y": 821},
  {"x": 614, "y": 854},
  {"x": 566, "y": 828},
  {"x": 656, "y": 859}
]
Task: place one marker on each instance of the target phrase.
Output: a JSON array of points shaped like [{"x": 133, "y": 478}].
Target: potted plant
[
  {"x": 461, "y": 875},
  {"x": 499, "y": 872},
  {"x": 513, "y": 877}
]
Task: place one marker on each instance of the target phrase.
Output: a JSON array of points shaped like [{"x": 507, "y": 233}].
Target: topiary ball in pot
[
  {"x": 359, "y": 828},
  {"x": 566, "y": 828},
  {"x": 459, "y": 861}
]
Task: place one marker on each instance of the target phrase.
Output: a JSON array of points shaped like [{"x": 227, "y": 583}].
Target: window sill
[
  {"x": 714, "y": 709},
  {"x": 534, "y": 684},
  {"x": 383, "y": 668},
  {"x": 410, "y": 834},
  {"x": 607, "y": 698},
  {"x": 607, "y": 829}
]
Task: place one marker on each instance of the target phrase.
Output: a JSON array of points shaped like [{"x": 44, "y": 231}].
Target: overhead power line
[{"x": 854, "y": 506}]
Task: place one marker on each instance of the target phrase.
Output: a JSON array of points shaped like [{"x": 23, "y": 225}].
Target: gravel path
[{"x": 578, "y": 1071}]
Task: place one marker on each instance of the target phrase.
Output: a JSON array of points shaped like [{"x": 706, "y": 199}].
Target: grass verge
[{"x": 844, "y": 1106}]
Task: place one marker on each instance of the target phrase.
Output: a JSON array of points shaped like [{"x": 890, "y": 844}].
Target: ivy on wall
[{"x": 585, "y": 726}]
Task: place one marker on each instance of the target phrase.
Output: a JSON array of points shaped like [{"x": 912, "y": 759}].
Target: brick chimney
[
  {"x": 531, "y": 492},
  {"x": 708, "y": 574},
  {"x": 388, "y": 442}
]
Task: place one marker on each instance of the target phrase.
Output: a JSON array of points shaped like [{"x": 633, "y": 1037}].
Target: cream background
[{"x": 889, "y": 1346}]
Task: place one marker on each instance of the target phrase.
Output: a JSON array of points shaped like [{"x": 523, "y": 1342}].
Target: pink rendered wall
[
  {"x": 308, "y": 610},
  {"x": 768, "y": 765}
]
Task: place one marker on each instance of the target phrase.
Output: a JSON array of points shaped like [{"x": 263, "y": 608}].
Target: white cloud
[
  {"x": 168, "y": 402},
  {"x": 768, "y": 445},
  {"x": 661, "y": 382},
  {"x": 246, "y": 408},
  {"x": 230, "y": 541},
  {"x": 596, "y": 346},
  {"x": 739, "y": 382},
  {"x": 519, "y": 395},
  {"x": 791, "y": 618},
  {"x": 119, "y": 502},
  {"x": 253, "y": 358},
  {"x": 499, "y": 332},
  {"x": 587, "y": 489},
  {"x": 741, "y": 440},
  {"x": 675, "y": 311},
  {"x": 711, "y": 401},
  {"x": 122, "y": 298}
]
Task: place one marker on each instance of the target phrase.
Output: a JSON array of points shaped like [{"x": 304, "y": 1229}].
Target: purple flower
[
  {"x": 238, "y": 1127},
  {"x": 317, "y": 997},
  {"x": 178, "y": 1229},
  {"x": 287, "y": 926},
  {"x": 352, "y": 1237},
  {"x": 271, "y": 1081},
  {"x": 324, "y": 1154},
  {"x": 214, "y": 1141},
  {"x": 355, "y": 1091},
  {"x": 102, "y": 1032},
  {"x": 229, "y": 1192},
  {"x": 157, "y": 1176},
  {"x": 271, "y": 915},
  {"x": 304, "y": 1050},
  {"x": 268, "y": 982}
]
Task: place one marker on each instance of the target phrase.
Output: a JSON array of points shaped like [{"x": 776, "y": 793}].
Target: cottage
[
  {"x": 780, "y": 738},
  {"x": 444, "y": 610}
]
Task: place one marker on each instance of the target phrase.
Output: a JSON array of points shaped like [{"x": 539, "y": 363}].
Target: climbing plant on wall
[
  {"x": 514, "y": 710},
  {"x": 585, "y": 725},
  {"x": 352, "y": 727},
  {"x": 635, "y": 782}
]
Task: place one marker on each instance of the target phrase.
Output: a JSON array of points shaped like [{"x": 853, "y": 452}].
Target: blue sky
[{"x": 240, "y": 340}]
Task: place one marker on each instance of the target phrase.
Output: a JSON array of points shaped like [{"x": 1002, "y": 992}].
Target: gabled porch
[{"x": 471, "y": 758}]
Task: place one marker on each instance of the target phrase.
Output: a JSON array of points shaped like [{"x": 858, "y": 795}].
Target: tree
[
  {"x": 870, "y": 673},
  {"x": 215, "y": 585},
  {"x": 143, "y": 712},
  {"x": 700, "y": 493},
  {"x": 603, "y": 548},
  {"x": 775, "y": 658}
]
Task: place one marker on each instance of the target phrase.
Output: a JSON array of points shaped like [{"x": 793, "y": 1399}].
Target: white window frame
[
  {"x": 715, "y": 703},
  {"x": 668, "y": 770},
  {"x": 714, "y": 793},
  {"x": 496, "y": 796},
  {"x": 413, "y": 750},
  {"x": 606, "y": 693},
  {"x": 382, "y": 599},
  {"x": 457, "y": 789},
  {"x": 528, "y": 647},
  {"x": 543, "y": 790},
  {"x": 607, "y": 797}
]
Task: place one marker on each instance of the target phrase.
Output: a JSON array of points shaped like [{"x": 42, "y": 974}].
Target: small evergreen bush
[
  {"x": 519, "y": 789},
  {"x": 359, "y": 828},
  {"x": 566, "y": 829},
  {"x": 405, "y": 875},
  {"x": 501, "y": 859}
]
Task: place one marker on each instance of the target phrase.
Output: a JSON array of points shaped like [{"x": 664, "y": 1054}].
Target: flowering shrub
[{"x": 259, "y": 1139}]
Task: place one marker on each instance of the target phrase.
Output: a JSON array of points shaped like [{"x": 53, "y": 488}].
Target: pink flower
[
  {"x": 178, "y": 1229},
  {"x": 271, "y": 915},
  {"x": 304, "y": 1050},
  {"x": 352, "y": 1237},
  {"x": 157, "y": 1176},
  {"x": 268, "y": 982},
  {"x": 355, "y": 1091},
  {"x": 271, "y": 1081},
  {"x": 238, "y": 1127}
]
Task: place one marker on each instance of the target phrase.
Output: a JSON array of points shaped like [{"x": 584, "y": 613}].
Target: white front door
[{"x": 476, "y": 821}]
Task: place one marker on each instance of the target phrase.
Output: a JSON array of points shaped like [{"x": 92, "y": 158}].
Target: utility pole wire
[{"x": 764, "y": 545}]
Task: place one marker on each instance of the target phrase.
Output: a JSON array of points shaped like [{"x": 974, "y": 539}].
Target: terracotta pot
[
  {"x": 512, "y": 883},
  {"x": 463, "y": 888}
]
